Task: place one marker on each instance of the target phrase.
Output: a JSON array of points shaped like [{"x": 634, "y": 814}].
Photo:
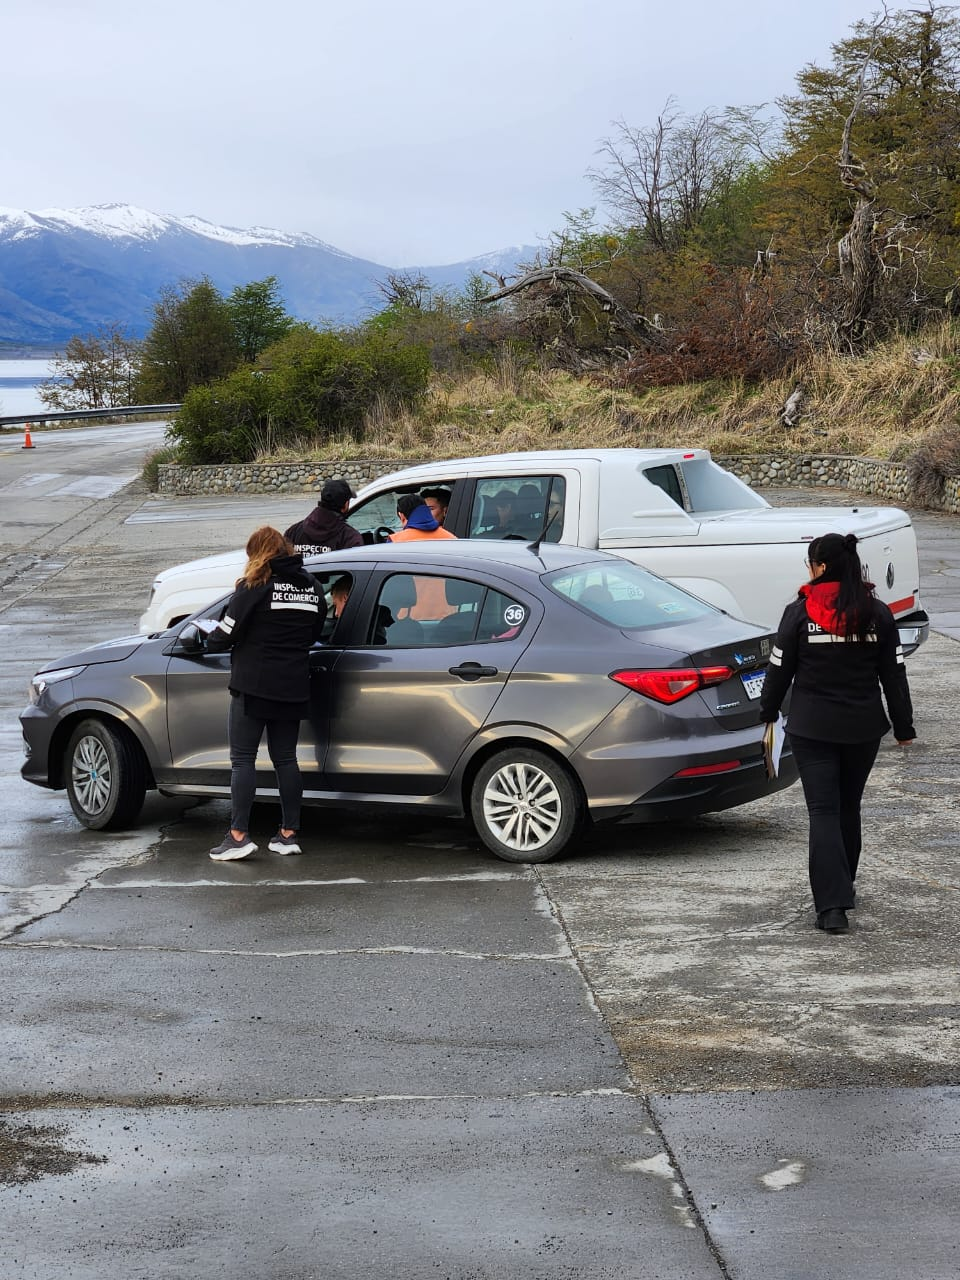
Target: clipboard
[{"x": 773, "y": 739}]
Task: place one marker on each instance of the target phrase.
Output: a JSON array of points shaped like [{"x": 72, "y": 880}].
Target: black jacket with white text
[
  {"x": 836, "y": 680},
  {"x": 269, "y": 630},
  {"x": 323, "y": 530}
]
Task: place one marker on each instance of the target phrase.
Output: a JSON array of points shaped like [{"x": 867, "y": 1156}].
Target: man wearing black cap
[{"x": 325, "y": 528}]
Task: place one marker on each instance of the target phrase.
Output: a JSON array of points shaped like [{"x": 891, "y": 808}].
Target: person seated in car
[
  {"x": 340, "y": 594},
  {"x": 325, "y": 528},
  {"x": 506, "y": 524},
  {"x": 418, "y": 524},
  {"x": 438, "y": 500},
  {"x": 417, "y": 521}
]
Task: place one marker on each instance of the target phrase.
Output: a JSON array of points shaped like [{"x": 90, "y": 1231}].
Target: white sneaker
[
  {"x": 284, "y": 844},
  {"x": 229, "y": 850}
]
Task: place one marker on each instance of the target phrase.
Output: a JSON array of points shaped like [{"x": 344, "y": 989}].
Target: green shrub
[
  {"x": 225, "y": 421},
  {"x": 310, "y": 385}
]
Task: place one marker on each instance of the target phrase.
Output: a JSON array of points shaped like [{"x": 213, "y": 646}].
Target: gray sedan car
[{"x": 534, "y": 688}]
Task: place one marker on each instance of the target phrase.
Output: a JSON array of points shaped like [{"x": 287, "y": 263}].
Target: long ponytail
[{"x": 856, "y": 598}]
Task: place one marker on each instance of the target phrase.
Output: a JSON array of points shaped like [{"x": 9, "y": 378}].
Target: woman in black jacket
[
  {"x": 838, "y": 645},
  {"x": 270, "y": 623}
]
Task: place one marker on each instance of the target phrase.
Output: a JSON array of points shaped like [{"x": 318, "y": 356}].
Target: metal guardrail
[{"x": 71, "y": 415}]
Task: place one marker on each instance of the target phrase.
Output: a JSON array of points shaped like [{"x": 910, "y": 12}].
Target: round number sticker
[{"x": 514, "y": 614}]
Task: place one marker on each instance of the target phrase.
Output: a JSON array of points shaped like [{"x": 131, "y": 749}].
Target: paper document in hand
[
  {"x": 206, "y": 625},
  {"x": 773, "y": 738}
]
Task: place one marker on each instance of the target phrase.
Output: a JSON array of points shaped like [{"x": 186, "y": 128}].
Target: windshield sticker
[
  {"x": 514, "y": 614},
  {"x": 671, "y": 606}
]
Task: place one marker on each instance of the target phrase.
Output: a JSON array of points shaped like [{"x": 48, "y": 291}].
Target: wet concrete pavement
[{"x": 397, "y": 1056}]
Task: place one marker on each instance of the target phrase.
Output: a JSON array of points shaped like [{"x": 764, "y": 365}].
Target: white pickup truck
[{"x": 675, "y": 511}]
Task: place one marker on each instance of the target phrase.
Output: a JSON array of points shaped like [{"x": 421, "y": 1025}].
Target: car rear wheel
[
  {"x": 106, "y": 776},
  {"x": 525, "y": 806}
]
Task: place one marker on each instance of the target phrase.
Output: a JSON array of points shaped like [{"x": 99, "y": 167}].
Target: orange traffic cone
[{"x": 28, "y": 443}]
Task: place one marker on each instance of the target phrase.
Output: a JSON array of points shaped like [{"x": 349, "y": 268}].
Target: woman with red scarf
[{"x": 838, "y": 645}]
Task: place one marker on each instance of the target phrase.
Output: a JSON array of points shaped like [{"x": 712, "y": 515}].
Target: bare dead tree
[
  {"x": 764, "y": 263},
  {"x": 664, "y": 177},
  {"x": 857, "y": 249},
  {"x": 406, "y": 289},
  {"x": 632, "y": 182}
]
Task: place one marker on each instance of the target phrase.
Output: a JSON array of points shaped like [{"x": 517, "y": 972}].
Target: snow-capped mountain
[
  {"x": 127, "y": 222},
  {"x": 66, "y": 271}
]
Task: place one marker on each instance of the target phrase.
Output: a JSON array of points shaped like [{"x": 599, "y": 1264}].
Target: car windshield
[{"x": 626, "y": 596}]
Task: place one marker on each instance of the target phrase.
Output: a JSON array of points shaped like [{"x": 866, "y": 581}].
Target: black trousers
[
  {"x": 245, "y": 734},
  {"x": 833, "y": 775}
]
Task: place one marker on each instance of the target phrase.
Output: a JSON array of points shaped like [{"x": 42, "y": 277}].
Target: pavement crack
[
  {"x": 689, "y": 1198},
  {"x": 59, "y": 944},
  {"x": 7, "y": 939},
  {"x": 190, "y": 1102}
]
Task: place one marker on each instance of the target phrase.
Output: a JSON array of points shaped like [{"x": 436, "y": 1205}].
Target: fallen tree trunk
[{"x": 565, "y": 279}]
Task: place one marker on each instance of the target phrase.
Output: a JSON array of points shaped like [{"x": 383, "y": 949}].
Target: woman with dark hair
[
  {"x": 270, "y": 623},
  {"x": 838, "y": 645}
]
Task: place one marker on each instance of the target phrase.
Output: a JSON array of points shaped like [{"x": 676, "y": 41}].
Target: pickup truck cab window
[
  {"x": 668, "y": 479},
  {"x": 380, "y": 511},
  {"x": 517, "y": 507}
]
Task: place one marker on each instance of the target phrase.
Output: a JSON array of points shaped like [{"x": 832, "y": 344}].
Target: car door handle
[{"x": 472, "y": 671}]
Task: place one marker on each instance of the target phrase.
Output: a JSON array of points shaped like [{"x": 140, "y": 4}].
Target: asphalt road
[{"x": 398, "y": 1056}]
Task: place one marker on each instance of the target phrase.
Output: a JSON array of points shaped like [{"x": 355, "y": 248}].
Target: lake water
[{"x": 19, "y": 380}]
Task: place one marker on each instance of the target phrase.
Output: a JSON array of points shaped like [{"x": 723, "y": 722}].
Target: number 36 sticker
[{"x": 514, "y": 614}]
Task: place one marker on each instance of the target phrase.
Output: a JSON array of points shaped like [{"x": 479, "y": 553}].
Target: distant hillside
[{"x": 65, "y": 271}]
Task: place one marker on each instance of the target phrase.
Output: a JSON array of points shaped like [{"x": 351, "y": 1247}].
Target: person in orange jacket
[
  {"x": 417, "y": 524},
  {"x": 416, "y": 520}
]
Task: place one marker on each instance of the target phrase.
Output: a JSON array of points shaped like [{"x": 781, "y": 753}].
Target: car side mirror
[{"x": 191, "y": 640}]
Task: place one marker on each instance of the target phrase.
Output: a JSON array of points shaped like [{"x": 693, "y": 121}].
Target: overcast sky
[{"x": 405, "y": 131}]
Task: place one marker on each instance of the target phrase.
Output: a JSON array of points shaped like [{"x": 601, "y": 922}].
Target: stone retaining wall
[
  {"x": 886, "y": 480},
  {"x": 272, "y": 477}
]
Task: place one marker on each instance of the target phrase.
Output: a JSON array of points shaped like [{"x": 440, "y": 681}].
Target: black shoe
[{"x": 833, "y": 921}]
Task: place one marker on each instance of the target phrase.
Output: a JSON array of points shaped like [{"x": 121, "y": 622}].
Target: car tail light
[{"x": 672, "y": 683}]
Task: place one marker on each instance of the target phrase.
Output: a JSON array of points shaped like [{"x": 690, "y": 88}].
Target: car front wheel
[
  {"x": 525, "y": 806},
  {"x": 106, "y": 776}
]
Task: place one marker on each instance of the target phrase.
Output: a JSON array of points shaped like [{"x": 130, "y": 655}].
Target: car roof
[
  {"x": 463, "y": 553},
  {"x": 542, "y": 459}
]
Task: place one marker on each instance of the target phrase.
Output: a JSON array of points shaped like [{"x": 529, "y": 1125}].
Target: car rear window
[{"x": 626, "y": 596}]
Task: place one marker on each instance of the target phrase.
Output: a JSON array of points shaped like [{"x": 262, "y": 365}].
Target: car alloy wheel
[
  {"x": 107, "y": 775},
  {"x": 525, "y": 806},
  {"x": 91, "y": 775}
]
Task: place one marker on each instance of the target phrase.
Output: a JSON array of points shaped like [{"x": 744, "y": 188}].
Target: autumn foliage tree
[
  {"x": 863, "y": 198},
  {"x": 737, "y": 240}
]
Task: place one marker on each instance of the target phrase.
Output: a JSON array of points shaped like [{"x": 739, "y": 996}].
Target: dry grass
[{"x": 880, "y": 405}]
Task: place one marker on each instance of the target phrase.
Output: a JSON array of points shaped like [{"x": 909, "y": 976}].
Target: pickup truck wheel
[
  {"x": 525, "y": 806},
  {"x": 106, "y": 776}
]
